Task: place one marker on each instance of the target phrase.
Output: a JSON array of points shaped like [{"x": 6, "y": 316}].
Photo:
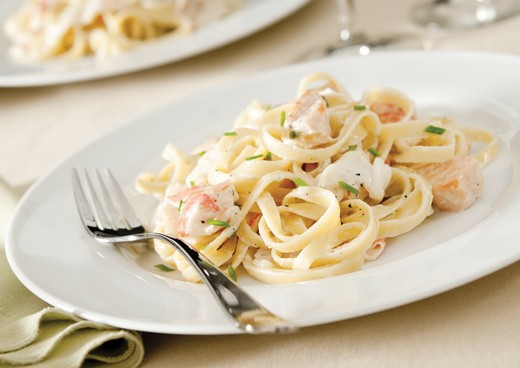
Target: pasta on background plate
[
  {"x": 314, "y": 187},
  {"x": 44, "y": 29}
]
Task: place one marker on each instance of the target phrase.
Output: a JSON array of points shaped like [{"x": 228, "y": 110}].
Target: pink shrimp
[
  {"x": 456, "y": 184},
  {"x": 375, "y": 250},
  {"x": 189, "y": 210},
  {"x": 387, "y": 112},
  {"x": 310, "y": 120}
]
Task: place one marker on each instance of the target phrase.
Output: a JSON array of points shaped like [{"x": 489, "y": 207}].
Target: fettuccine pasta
[
  {"x": 44, "y": 29},
  {"x": 314, "y": 187}
]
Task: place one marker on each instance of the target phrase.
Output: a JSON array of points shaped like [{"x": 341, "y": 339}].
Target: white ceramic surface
[
  {"x": 252, "y": 17},
  {"x": 53, "y": 256}
]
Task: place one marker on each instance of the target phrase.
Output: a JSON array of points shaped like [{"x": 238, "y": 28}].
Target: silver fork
[{"x": 109, "y": 218}]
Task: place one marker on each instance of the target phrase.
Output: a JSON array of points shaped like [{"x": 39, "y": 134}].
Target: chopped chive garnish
[
  {"x": 293, "y": 134},
  {"x": 326, "y": 101},
  {"x": 229, "y": 134},
  {"x": 163, "y": 267},
  {"x": 253, "y": 157},
  {"x": 352, "y": 147},
  {"x": 373, "y": 151},
  {"x": 435, "y": 130},
  {"x": 180, "y": 205},
  {"x": 192, "y": 183},
  {"x": 217, "y": 223},
  {"x": 282, "y": 118},
  {"x": 348, "y": 187},
  {"x": 201, "y": 153},
  {"x": 232, "y": 273},
  {"x": 299, "y": 182},
  {"x": 359, "y": 107},
  {"x": 268, "y": 156}
]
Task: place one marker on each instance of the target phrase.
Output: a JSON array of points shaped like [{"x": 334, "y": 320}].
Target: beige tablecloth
[{"x": 477, "y": 325}]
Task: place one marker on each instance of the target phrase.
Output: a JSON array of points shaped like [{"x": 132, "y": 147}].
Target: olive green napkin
[{"x": 34, "y": 334}]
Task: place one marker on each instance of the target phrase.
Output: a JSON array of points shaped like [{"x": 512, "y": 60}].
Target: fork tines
[{"x": 103, "y": 206}]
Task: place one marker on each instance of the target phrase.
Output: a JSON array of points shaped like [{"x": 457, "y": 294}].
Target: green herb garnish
[
  {"x": 299, "y": 182},
  {"x": 232, "y": 273},
  {"x": 326, "y": 101},
  {"x": 293, "y": 134},
  {"x": 282, "y": 118},
  {"x": 268, "y": 156},
  {"x": 352, "y": 147},
  {"x": 217, "y": 223},
  {"x": 435, "y": 130},
  {"x": 163, "y": 267},
  {"x": 373, "y": 151},
  {"x": 359, "y": 107},
  {"x": 201, "y": 153},
  {"x": 348, "y": 187},
  {"x": 229, "y": 134},
  {"x": 253, "y": 157},
  {"x": 180, "y": 205}
]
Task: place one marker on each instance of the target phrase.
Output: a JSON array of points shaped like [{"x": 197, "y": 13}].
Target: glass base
[
  {"x": 359, "y": 44},
  {"x": 464, "y": 13}
]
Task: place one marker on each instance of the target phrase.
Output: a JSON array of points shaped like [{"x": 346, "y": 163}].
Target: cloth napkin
[{"x": 34, "y": 334}]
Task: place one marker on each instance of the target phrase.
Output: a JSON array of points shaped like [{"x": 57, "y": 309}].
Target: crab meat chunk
[{"x": 355, "y": 169}]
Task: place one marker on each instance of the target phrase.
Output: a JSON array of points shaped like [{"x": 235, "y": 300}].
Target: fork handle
[{"x": 248, "y": 314}]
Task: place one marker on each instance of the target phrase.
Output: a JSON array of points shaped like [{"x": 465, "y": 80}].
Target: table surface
[{"x": 477, "y": 325}]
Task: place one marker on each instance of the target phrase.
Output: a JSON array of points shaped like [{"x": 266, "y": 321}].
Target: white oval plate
[
  {"x": 252, "y": 17},
  {"x": 52, "y": 255}
]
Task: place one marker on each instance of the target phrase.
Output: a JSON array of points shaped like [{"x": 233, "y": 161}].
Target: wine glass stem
[{"x": 346, "y": 18}]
